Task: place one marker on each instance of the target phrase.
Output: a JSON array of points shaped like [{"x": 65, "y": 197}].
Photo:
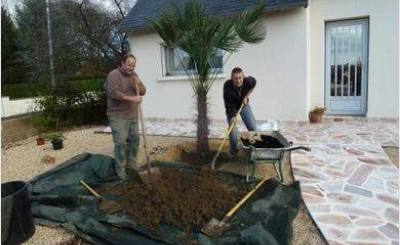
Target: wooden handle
[
  {"x": 90, "y": 189},
  {"x": 144, "y": 133},
  {"x": 244, "y": 199},
  {"x": 233, "y": 124}
]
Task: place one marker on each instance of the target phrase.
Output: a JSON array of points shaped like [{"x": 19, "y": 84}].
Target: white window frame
[{"x": 169, "y": 61}]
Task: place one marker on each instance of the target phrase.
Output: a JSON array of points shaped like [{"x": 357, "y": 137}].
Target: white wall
[
  {"x": 383, "y": 76},
  {"x": 279, "y": 64},
  {"x": 15, "y": 107}
]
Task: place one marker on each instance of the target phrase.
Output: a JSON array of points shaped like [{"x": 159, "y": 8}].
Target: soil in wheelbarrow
[
  {"x": 187, "y": 200},
  {"x": 265, "y": 142}
]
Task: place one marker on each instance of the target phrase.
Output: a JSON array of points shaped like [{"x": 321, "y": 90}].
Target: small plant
[
  {"x": 318, "y": 110},
  {"x": 315, "y": 115},
  {"x": 41, "y": 124},
  {"x": 56, "y": 139},
  {"x": 54, "y": 136}
]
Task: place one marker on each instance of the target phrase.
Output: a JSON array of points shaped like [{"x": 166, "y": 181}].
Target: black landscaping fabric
[{"x": 58, "y": 199}]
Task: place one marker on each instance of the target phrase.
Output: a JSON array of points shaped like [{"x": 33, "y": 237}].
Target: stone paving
[{"x": 348, "y": 183}]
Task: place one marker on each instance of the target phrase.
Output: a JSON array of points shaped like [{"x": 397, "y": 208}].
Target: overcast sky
[{"x": 10, "y": 5}]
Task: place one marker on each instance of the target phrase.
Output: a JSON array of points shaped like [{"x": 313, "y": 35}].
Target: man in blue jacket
[{"x": 236, "y": 91}]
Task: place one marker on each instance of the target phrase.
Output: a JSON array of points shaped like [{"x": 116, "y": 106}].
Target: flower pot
[
  {"x": 315, "y": 117},
  {"x": 40, "y": 141},
  {"x": 57, "y": 144}
]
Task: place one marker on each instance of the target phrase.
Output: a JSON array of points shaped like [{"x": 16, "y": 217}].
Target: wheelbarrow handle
[{"x": 293, "y": 148}]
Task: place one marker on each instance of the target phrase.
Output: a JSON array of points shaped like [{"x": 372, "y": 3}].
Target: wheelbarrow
[{"x": 266, "y": 147}]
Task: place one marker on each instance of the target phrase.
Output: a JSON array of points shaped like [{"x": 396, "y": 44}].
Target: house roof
[{"x": 136, "y": 20}]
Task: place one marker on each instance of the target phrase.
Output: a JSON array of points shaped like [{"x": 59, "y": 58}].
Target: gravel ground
[{"x": 22, "y": 161}]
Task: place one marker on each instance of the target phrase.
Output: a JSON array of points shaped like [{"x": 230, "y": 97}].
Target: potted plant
[
  {"x": 56, "y": 139},
  {"x": 316, "y": 114},
  {"x": 41, "y": 123}
]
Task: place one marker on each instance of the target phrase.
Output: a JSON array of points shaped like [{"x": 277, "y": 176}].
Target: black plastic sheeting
[
  {"x": 59, "y": 200},
  {"x": 16, "y": 218}
]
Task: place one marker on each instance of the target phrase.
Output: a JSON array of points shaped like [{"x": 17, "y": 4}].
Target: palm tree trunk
[{"x": 202, "y": 123}]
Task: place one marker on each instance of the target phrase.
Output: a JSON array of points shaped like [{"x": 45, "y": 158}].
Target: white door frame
[{"x": 349, "y": 53}]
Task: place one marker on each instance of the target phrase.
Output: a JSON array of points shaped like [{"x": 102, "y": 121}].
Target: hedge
[{"x": 29, "y": 90}]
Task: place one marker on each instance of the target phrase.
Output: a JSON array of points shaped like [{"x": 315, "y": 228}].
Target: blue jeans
[
  {"x": 248, "y": 118},
  {"x": 126, "y": 143}
]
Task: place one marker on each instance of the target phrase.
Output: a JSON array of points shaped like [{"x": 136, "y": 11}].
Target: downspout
[{"x": 308, "y": 63}]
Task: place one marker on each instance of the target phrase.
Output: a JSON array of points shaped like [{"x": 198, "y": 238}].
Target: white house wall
[
  {"x": 278, "y": 63},
  {"x": 383, "y": 76}
]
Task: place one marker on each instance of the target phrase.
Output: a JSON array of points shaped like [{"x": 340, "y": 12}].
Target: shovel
[
  {"x": 107, "y": 206},
  {"x": 152, "y": 174},
  {"x": 233, "y": 124},
  {"x": 215, "y": 228}
]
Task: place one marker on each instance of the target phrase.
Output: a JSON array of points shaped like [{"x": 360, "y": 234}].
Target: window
[{"x": 176, "y": 61}]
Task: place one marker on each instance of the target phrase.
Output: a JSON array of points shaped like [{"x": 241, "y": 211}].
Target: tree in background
[
  {"x": 86, "y": 41},
  {"x": 100, "y": 28},
  {"x": 32, "y": 39},
  {"x": 12, "y": 71}
]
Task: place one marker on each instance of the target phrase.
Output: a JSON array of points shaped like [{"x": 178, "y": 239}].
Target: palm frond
[
  {"x": 248, "y": 25},
  {"x": 253, "y": 14},
  {"x": 226, "y": 38},
  {"x": 254, "y": 33}
]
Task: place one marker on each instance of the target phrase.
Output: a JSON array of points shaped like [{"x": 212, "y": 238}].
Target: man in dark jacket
[
  {"x": 236, "y": 91},
  {"x": 122, "y": 111}
]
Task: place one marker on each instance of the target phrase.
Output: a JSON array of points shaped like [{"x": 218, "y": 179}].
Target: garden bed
[
  {"x": 24, "y": 162},
  {"x": 185, "y": 199}
]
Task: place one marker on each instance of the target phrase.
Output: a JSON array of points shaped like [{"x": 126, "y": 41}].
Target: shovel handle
[
  {"x": 97, "y": 195},
  {"x": 144, "y": 134},
  {"x": 233, "y": 124},
  {"x": 243, "y": 200}
]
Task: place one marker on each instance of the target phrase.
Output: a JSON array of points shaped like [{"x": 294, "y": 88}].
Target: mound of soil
[
  {"x": 187, "y": 200},
  {"x": 195, "y": 159}
]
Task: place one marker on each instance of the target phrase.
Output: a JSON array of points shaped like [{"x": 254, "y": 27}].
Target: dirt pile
[
  {"x": 265, "y": 142},
  {"x": 187, "y": 200},
  {"x": 195, "y": 159}
]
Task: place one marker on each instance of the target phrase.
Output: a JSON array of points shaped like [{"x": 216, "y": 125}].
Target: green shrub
[
  {"x": 29, "y": 90},
  {"x": 73, "y": 104},
  {"x": 41, "y": 123},
  {"x": 23, "y": 90}
]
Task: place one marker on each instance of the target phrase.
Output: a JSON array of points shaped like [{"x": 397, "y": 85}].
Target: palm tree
[{"x": 200, "y": 35}]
